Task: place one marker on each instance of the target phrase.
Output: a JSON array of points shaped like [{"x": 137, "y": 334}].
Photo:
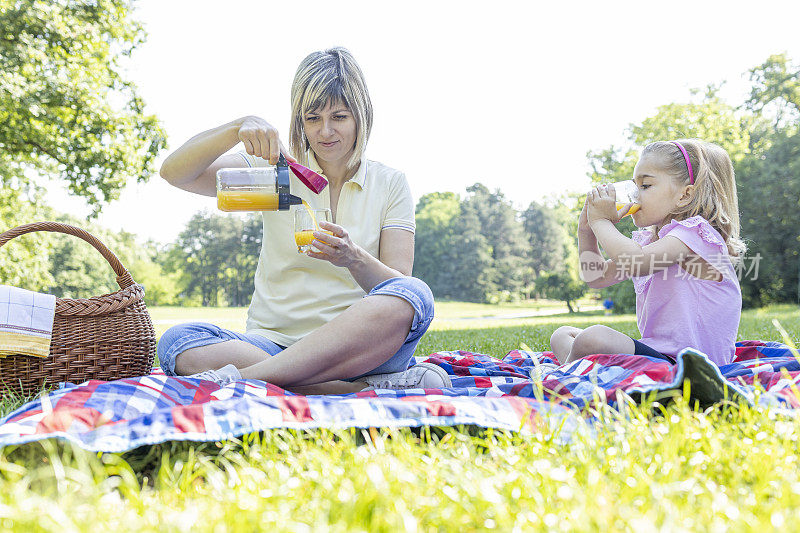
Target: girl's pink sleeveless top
[{"x": 676, "y": 310}]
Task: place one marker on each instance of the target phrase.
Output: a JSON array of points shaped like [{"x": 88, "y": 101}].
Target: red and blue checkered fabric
[{"x": 488, "y": 392}]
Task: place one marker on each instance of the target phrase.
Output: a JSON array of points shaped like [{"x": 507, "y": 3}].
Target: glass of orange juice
[
  {"x": 306, "y": 222},
  {"x": 627, "y": 192}
]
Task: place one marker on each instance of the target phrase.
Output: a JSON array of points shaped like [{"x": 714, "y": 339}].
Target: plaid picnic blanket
[{"x": 488, "y": 392}]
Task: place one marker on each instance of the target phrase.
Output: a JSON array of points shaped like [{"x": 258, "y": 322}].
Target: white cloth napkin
[{"x": 26, "y": 322}]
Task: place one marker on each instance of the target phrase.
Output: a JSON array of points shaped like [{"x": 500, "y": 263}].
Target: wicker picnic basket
[{"x": 104, "y": 337}]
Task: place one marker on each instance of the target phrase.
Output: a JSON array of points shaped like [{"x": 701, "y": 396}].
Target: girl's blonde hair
[
  {"x": 329, "y": 77},
  {"x": 713, "y": 196}
]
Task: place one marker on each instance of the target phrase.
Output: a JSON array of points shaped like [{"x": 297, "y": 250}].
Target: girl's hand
[
  {"x": 602, "y": 205},
  {"x": 261, "y": 139},
  {"x": 338, "y": 249}
]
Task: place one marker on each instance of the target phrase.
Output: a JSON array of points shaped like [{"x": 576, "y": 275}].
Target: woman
[{"x": 309, "y": 326}]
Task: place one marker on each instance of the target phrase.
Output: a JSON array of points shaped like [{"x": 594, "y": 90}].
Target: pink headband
[{"x": 688, "y": 163}]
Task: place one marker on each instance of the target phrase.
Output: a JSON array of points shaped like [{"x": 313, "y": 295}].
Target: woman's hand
[
  {"x": 602, "y": 205},
  {"x": 261, "y": 139},
  {"x": 337, "y": 248}
]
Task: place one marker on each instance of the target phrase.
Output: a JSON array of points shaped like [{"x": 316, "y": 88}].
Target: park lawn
[
  {"x": 468, "y": 310},
  {"x": 235, "y": 317},
  {"x": 650, "y": 468}
]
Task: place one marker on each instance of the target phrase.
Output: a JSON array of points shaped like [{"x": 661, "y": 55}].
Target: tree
[
  {"x": 769, "y": 201},
  {"x": 196, "y": 255},
  {"x": 468, "y": 263},
  {"x": 68, "y": 267},
  {"x": 436, "y": 217},
  {"x": 245, "y": 251},
  {"x": 161, "y": 288},
  {"x": 776, "y": 90},
  {"x": 24, "y": 261},
  {"x": 623, "y": 295},
  {"x": 500, "y": 225},
  {"x": 710, "y": 119},
  {"x": 79, "y": 271},
  {"x": 563, "y": 286},
  {"x": 769, "y": 185},
  {"x": 66, "y": 110},
  {"x": 547, "y": 244},
  {"x": 216, "y": 258},
  {"x": 477, "y": 249},
  {"x": 450, "y": 254},
  {"x": 545, "y": 238}
]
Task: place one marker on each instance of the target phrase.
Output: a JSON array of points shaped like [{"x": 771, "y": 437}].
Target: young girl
[{"x": 687, "y": 291}]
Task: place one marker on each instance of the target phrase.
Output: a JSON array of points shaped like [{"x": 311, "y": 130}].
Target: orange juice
[
  {"x": 303, "y": 238},
  {"x": 247, "y": 200},
  {"x": 311, "y": 214},
  {"x": 634, "y": 208}
]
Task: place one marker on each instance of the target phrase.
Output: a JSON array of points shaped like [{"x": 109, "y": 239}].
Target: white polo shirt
[{"x": 295, "y": 294}]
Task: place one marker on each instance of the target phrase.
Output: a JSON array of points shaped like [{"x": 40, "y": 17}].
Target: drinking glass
[
  {"x": 627, "y": 193},
  {"x": 306, "y": 222}
]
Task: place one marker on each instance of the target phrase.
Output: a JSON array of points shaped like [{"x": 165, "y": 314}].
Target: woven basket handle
[{"x": 124, "y": 278}]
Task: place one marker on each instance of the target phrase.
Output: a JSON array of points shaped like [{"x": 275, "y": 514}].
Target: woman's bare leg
[
  {"x": 599, "y": 339},
  {"x": 363, "y": 337},
  {"x": 242, "y": 354}
]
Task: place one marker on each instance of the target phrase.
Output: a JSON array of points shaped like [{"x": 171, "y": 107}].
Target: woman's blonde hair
[
  {"x": 713, "y": 196},
  {"x": 329, "y": 77}
]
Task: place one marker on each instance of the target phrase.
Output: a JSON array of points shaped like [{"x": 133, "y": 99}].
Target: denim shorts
[{"x": 182, "y": 337}]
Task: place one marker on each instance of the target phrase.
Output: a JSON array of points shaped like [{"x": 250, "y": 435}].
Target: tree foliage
[
  {"x": 769, "y": 186},
  {"x": 710, "y": 119},
  {"x": 436, "y": 216},
  {"x": 450, "y": 253},
  {"x": 479, "y": 248},
  {"x": 770, "y": 203},
  {"x": 216, "y": 258},
  {"x": 69, "y": 267},
  {"x": 66, "y": 110},
  {"x": 563, "y": 285},
  {"x": 78, "y": 270},
  {"x": 547, "y": 239},
  {"x": 776, "y": 90},
  {"x": 500, "y": 224},
  {"x": 24, "y": 261}
]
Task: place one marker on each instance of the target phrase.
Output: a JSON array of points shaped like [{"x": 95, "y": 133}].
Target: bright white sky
[{"x": 509, "y": 93}]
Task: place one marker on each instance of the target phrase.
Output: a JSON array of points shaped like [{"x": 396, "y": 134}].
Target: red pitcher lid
[{"x": 310, "y": 179}]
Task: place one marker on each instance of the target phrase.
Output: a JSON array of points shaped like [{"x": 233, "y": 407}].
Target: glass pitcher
[{"x": 255, "y": 189}]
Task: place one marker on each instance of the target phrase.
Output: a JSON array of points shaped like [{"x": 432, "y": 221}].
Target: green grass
[
  {"x": 650, "y": 468},
  {"x": 456, "y": 310},
  {"x": 498, "y": 336},
  {"x": 226, "y": 317},
  {"x": 463, "y": 313}
]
